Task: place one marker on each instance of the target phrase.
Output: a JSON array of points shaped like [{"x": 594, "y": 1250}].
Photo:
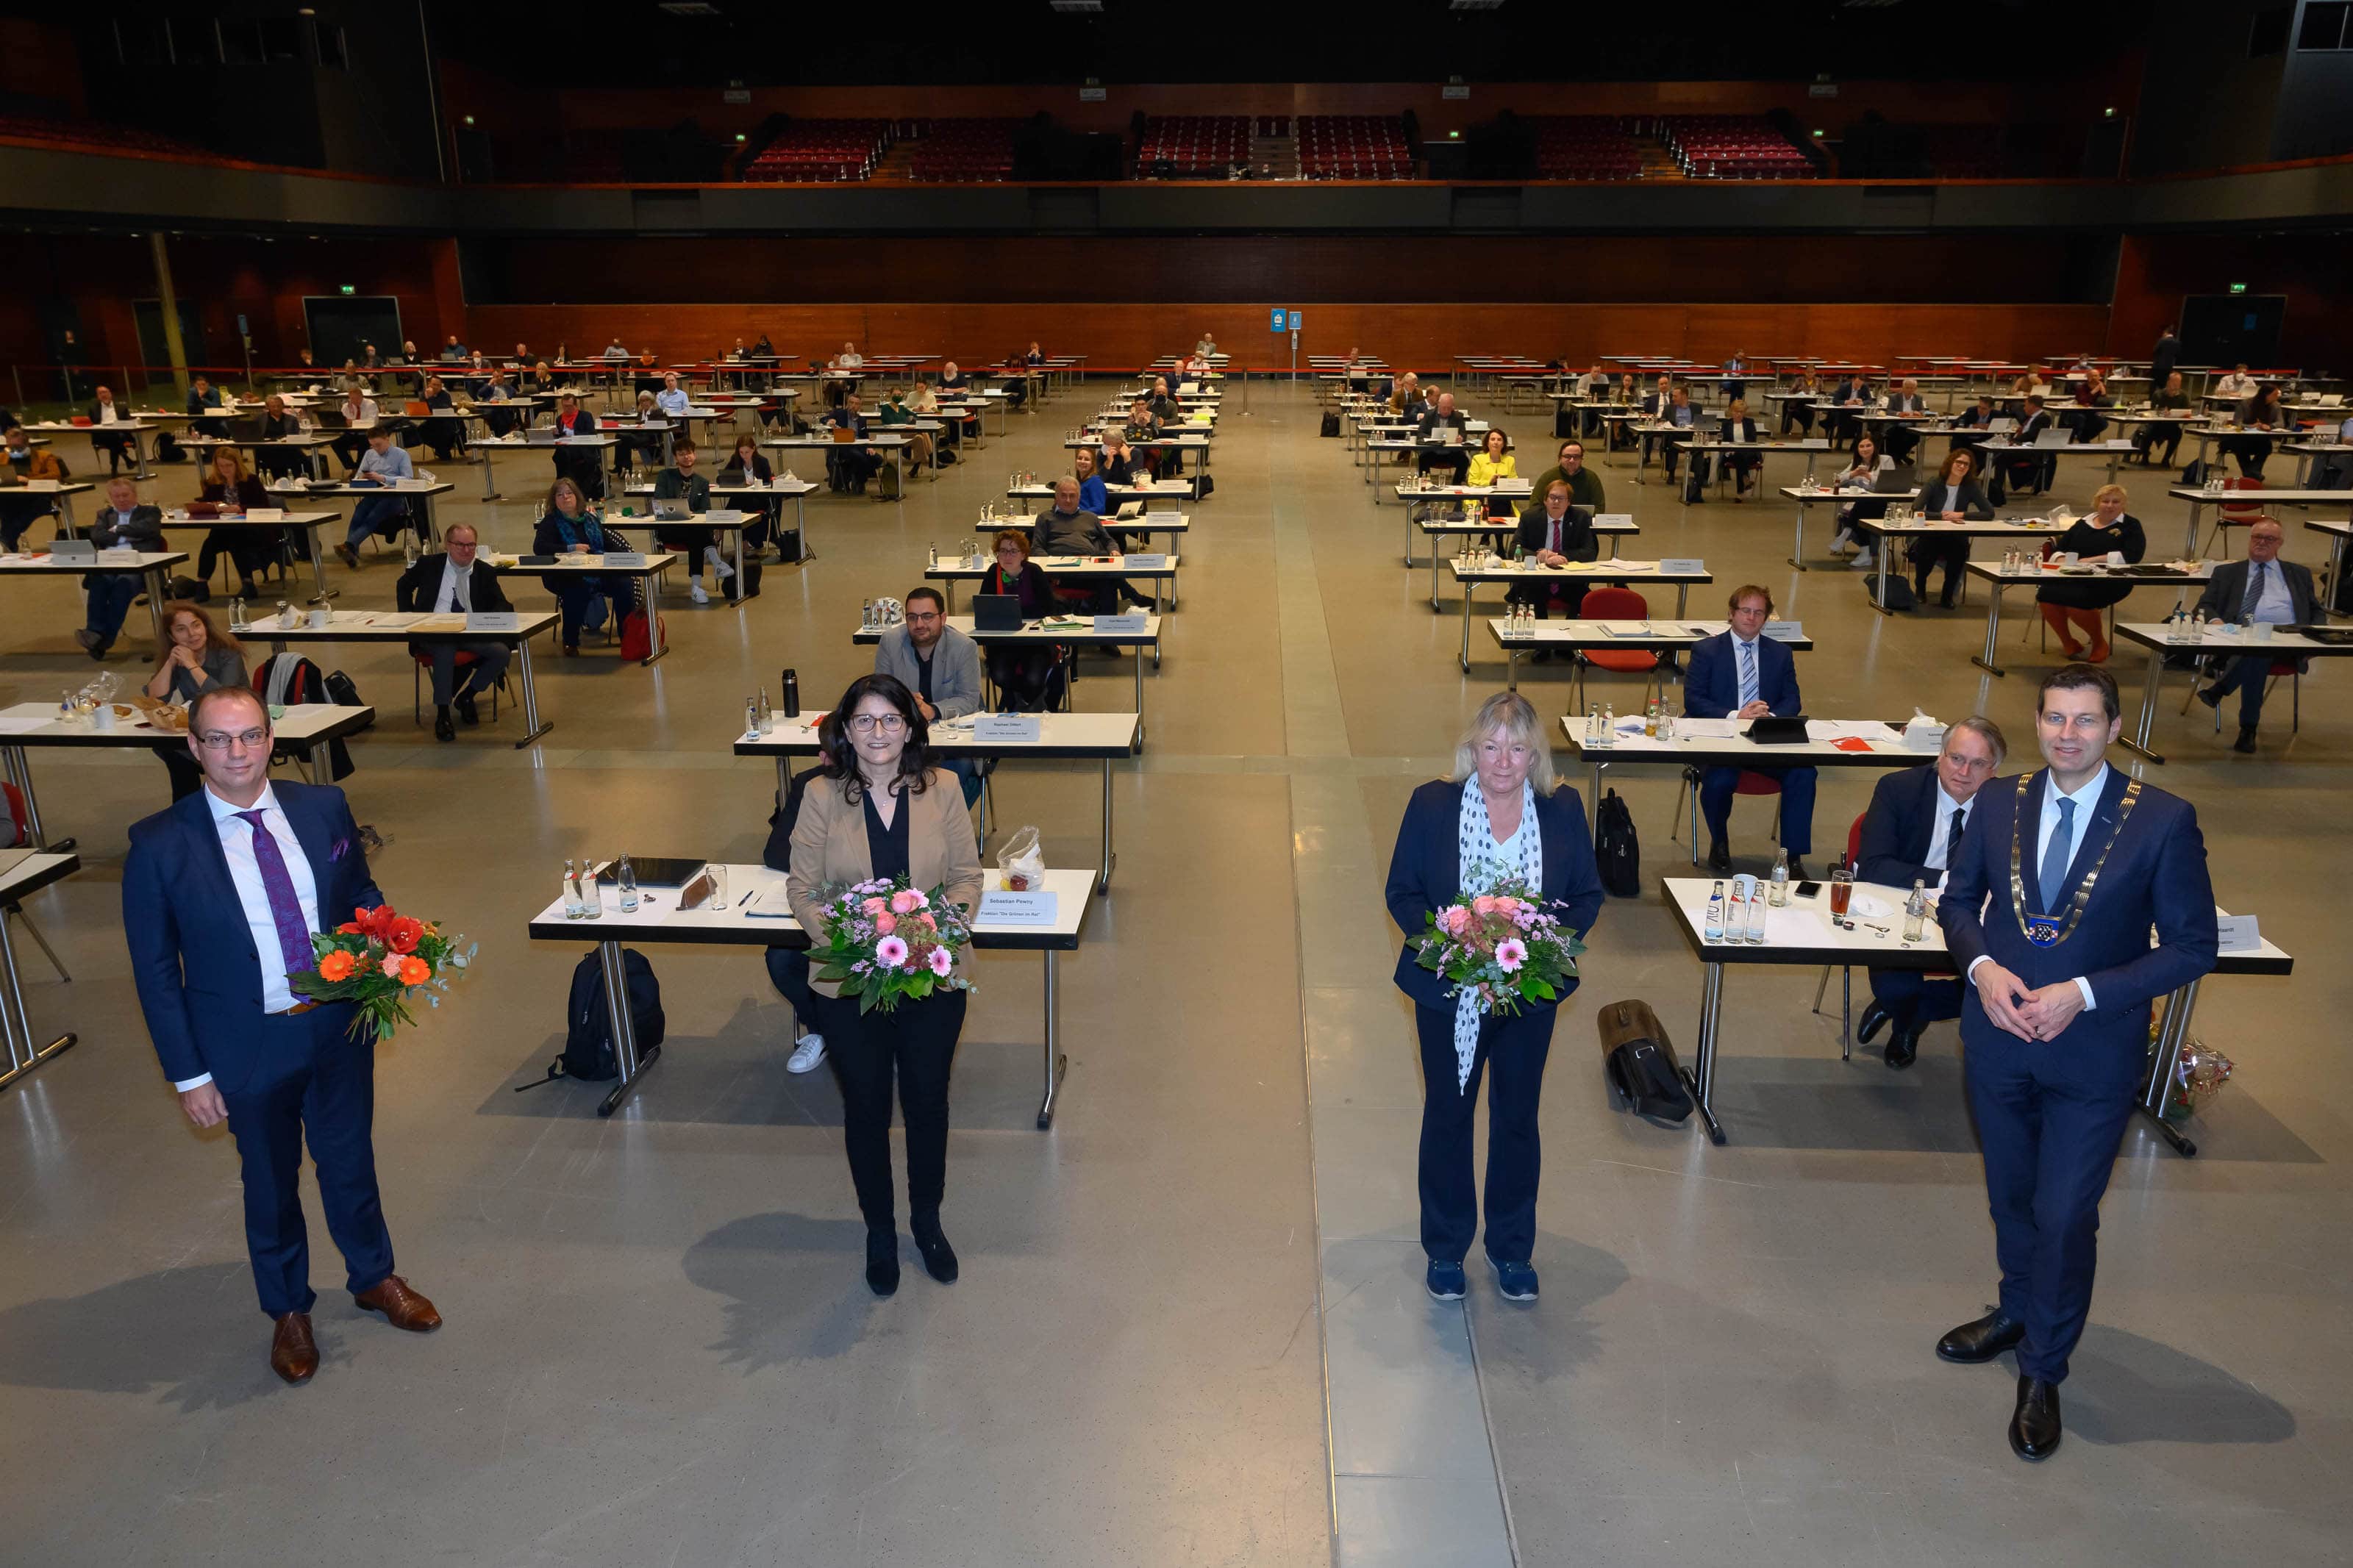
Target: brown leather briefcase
[{"x": 1640, "y": 1063}]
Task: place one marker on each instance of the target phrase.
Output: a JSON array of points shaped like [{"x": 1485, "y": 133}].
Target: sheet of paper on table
[
  {"x": 1709, "y": 729},
  {"x": 1849, "y": 728}
]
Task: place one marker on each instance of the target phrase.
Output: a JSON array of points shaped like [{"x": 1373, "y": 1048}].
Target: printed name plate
[
  {"x": 493, "y": 621},
  {"x": 625, "y": 558},
  {"x": 1785, "y": 631},
  {"x": 1679, "y": 564},
  {"x": 1120, "y": 626},
  {"x": 1157, "y": 563},
  {"x": 998, "y": 908},
  {"x": 1017, "y": 727}
]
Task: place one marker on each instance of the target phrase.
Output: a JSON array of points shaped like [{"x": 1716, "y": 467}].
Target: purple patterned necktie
[{"x": 285, "y": 907}]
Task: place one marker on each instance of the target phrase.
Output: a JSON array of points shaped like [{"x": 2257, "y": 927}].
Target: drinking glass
[
  {"x": 1842, "y": 889},
  {"x": 718, "y": 875}
]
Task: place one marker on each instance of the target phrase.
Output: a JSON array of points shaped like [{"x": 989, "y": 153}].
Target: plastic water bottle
[
  {"x": 626, "y": 878},
  {"x": 572, "y": 908},
  {"x": 1713, "y": 931},
  {"x": 1779, "y": 894},
  {"x": 592, "y": 896}
]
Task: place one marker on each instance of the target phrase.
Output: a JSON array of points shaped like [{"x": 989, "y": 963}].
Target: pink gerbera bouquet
[
  {"x": 1503, "y": 945},
  {"x": 885, "y": 940}
]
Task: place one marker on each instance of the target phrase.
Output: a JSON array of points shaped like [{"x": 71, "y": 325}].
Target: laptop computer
[
  {"x": 671, "y": 511},
  {"x": 996, "y": 612},
  {"x": 1901, "y": 479},
  {"x": 2002, "y": 427},
  {"x": 1129, "y": 509},
  {"x": 2332, "y": 400},
  {"x": 2058, "y": 436},
  {"x": 62, "y": 550},
  {"x": 542, "y": 436},
  {"x": 1778, "y": 730},
  {"x": 657, "y": 870}
]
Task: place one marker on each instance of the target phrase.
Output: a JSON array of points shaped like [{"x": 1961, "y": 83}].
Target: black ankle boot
[
  {"x": 939, "y": 1257},
  {"x": 882, "y": 1262}
]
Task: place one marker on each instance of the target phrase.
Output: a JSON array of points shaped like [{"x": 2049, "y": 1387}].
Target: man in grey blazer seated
[
  {"x": 940, "y": 665},
  {"x": 2262, "y": 588}
]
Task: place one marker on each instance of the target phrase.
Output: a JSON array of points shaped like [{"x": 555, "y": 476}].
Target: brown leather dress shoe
[
  {"x": 402, "y": 1306},
  {"x": 293, "y": 1353}
]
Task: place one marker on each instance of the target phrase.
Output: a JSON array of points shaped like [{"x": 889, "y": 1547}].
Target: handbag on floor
[
  {"x": 1640, "y": 1063},
  {"x": 1617, "y": 847}
]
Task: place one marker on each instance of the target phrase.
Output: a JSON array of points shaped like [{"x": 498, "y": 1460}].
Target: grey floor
[{"x": 1190, "y": 1328}]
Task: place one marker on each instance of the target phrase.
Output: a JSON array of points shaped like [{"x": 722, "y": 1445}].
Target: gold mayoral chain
[{"x": 2044, "y": 931}]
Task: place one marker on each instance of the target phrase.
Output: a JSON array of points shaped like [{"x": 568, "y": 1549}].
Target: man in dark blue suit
[
  {"x": 221, "y": 895},
  {"x": 2070, "y": 869},
  {"x": 1916, "y": 823},
  {"x": 1744, "y": 674}
]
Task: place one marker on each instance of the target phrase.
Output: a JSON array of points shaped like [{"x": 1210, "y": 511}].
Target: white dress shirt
[
  {"x": 2235, "y": 386},
  {"x": 2274, "y": 604},
  {"x": 245, "y": 871},
  {"x": 1940, "y": 845},
  {"x": 109, "y": 414},
  {"x": 1748, "y": 671},
  {"x": 457, "y": 590},
  {"x": 2087, "y": 801}
]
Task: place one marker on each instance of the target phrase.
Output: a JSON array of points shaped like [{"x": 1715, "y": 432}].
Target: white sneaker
[
  {"x": 1864, "y": 561},
  {"x": 807, "y": 1055},
  {"x": 711, "y": 553},
  {"x": 694, "y": 592}
]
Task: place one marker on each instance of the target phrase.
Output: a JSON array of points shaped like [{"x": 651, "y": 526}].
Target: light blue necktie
[
  {"x": 2254, "y": 588},
  {"x": 1747, "y": 672},
  {"x": 2055, "y": 858}
]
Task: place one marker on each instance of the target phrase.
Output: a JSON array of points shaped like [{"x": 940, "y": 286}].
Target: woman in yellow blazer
[
  {"x": 1491, "y": 461},
  {"x": 880, "y": 809}
]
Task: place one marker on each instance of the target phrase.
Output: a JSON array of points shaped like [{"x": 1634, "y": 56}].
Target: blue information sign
[{"x": 1278, "y": 321}]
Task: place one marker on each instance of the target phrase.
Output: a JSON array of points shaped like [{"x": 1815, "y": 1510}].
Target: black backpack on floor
[
  {"x": 1640, "y": 1063},
  {"x": 588, "y": 1022},
  {"x": 1330, "y": 427},
  {"x": 1617, "y": 847}
]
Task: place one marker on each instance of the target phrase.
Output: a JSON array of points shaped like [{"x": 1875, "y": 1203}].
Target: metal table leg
[
  {"x": 655, "y": 645},
  {"x": 1466, "y": 625},
  {"x": 2189, "y": 550},
  {"x": 625, "y": 1027},
  {"x": 1055, "y": 1060},
  {"x": 15, "y": 1025},
  {"x": 2139, "y": 741},
  {"x": 2164, "y": 1064},
  {"x": 1886, "y": 548},
  {"x": 318, "y": 566},
  {"x": 1139, "y": 687},
  {"x": 158, "y": 590},
  {"x": 1108, "y": 857},
  {"x": 19, "y": 768},
  {"x": 1993, "y": 629},
  {"x": 323, "y": 763},
  {"x": 1798, "y": 545},
  {"x": 489, "y": 492},
  {"x": 532, "y": 725},
  {"x": 1701, "y": 1084}
]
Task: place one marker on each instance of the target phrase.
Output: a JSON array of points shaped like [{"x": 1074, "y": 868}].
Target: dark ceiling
[{"x": 764, "y": 43}]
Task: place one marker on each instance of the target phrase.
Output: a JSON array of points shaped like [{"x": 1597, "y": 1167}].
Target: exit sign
[
  {"x": 2238, "y": 287},
  {"x": 348, "y": 289}
]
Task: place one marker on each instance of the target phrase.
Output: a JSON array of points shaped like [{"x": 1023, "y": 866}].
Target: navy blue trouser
[
  {"x": 1515, "y": 1048},
  {"x": 313, "y": 1081},
  {"x": 1908, "y": 996},
  {"x": 1715, "y": 785},
  {"x": 2247, "y": 677},
  {"x": 2049, "y": 1114}
]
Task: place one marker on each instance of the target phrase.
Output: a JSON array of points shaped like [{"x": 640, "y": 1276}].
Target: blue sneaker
[
  {"x": 1445, "y": 1281},
  {"x": 1517, "y": 1281}
]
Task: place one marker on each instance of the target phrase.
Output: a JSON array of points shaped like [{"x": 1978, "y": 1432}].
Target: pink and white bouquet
[
  {"x": 886, "y": 941},
  {"x": 1503, "y": 945}
]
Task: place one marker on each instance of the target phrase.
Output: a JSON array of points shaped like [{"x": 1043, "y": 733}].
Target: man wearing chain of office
[{"x": 2047, "y": 908}]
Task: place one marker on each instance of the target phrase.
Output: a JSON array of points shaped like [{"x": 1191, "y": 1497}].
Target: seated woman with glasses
[{"x": 194, "y": 657}]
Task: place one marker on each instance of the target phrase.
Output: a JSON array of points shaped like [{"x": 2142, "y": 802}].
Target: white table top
[
  {"x": 1058, "y": 735},
  {"x": 176, "y": 518},
  {"x": 1802, "y": 493},
  {"x": 1724, "y": 741},
  {"x": 2257, "y": 498},
  {"x": 1617, "y": 522},
  {"x": 661, "y": 920},
  {"x": 1069, "y": 629},
  {"x": 397, "y": 487},
  {"x": 2227, "y": 639},
  {"x": 1411, "y": 491},
  {"x": 301, "y": 724},
  {"x": 2080, "y": 449},
  {"x": 1064, "y": 566},
  {"x": 779, "y": 486},
  {"x": 2142, "y": 575},
  {"x": 47, "y": 486},
  {"x": 33, "y": 871},
  {"x": 388, "y": 626},
  {"x": 1986, "y": 528},
  {"x": 656, "y": 561},
  {"x": 1612, "y": 568},
  {"x": 108, "y": 561},
  {"x": 1655, "y": 632}
]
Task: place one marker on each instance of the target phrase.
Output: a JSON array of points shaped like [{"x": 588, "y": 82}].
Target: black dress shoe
[
  {"x": 1719, "y": 858},
  {"x": 1796, "y": 868},
  {"x": 442, "y": 729},
  {"x": 1983, "y": 1340},
  {"x": 882, "y": 1262},
  {"x": 2245, "y": 743},
  {"x": 2034, "y": 1425},
  {"x": 1874, "y": 1018},
  {"x": 467, "y": 714},
  {"x": 1904, "y": 1045},
  {"x": 939, "y": 1257},
  {"x": 2211, "y": 695}
]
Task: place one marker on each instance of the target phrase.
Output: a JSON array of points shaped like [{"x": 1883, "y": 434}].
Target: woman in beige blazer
[{"x": 880, "y": 809}]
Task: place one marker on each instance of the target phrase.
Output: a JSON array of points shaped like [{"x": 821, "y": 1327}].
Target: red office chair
[
  {"x": 417, "y": 686},
  {"x": 1616, "y": 604},
  {"x": 2242, "y": 515},
  {"x": 1846, "y": 972},
  {"x": 2287, "y": 666}
]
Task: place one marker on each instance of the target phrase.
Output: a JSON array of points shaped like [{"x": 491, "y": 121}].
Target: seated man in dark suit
[
  {"x": 1902, "y": 440},
  {"x": 1435, "y": 452},
  {"x": 1680, "y": 413},
  {"x": 1741, "y": 673},
  {"x": 203, "y": 399},
  {"x": 1553, "y": 533},
  {"x": 455, "y": 582},
  {"x": 2262, "y": 588},
  {"x": 1917, "y": 820},
  {"x": 2019, "y": 470}
]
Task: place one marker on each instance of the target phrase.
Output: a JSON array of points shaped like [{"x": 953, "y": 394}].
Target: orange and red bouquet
[{"x": 377, "y": 959}]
